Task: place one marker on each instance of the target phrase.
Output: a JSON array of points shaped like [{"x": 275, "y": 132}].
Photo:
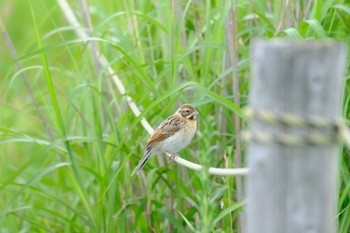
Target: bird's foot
[{"x": 173, "y": 156}]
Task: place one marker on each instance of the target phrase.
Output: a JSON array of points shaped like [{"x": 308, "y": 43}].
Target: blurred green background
[{"x": 68, "y": 141}]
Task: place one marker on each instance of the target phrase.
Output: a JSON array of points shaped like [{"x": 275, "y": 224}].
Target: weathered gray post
[{"x": 292, "y": 188}]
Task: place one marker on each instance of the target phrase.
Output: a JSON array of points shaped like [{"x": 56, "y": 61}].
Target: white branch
[
  {"x": 212, "y": 170},
  {"x": 81, "y": 33}
]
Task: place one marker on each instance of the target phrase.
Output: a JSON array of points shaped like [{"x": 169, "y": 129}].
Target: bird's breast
[{"x": 179, "y": 140}]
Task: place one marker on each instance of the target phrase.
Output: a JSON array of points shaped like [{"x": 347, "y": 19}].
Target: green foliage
[{"x": 65, "y": 162}]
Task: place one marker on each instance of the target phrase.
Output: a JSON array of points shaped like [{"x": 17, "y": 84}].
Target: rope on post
[{"x": 337, "y": 129}]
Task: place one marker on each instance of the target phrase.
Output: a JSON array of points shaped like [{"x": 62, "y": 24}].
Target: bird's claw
[{"x": 173, "y": 157}]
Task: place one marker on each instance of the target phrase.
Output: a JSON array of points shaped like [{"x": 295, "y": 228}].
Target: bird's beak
[{"x": 197, "y": 113}]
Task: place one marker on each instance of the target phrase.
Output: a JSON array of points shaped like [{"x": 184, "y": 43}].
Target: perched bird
[{"x": 172, "y": 135}]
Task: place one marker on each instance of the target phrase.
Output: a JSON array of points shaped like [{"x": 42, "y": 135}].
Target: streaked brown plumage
[{"x": 171, "y": 135}]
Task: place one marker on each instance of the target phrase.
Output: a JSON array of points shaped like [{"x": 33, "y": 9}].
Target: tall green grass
[{"x": 166, "y": 53}]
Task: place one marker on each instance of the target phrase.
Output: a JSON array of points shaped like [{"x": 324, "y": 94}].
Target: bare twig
[
  {"x": 282, "y": 17},
  {"x": 211, "y": 170},
  {"x": 88, "y": 22},
  {"x": 232, "y": 43}
]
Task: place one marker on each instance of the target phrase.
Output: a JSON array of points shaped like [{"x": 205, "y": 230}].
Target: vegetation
[{"x": 68, "y": 141}]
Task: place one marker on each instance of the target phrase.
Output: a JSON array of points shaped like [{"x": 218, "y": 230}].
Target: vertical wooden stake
[{"x": 292, "y": 189}]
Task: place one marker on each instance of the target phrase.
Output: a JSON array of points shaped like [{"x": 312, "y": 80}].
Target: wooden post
[{"x": 292, "y": 189}]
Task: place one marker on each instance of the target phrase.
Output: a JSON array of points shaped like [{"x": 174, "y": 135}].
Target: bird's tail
[{"x": 143, "y": 161}]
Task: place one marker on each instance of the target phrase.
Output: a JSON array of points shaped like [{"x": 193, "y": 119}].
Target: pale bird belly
[{"x": 178, "y": 141}]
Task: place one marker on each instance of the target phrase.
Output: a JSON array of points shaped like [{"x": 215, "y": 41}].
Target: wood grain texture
[{"x": 293, "y": 189}]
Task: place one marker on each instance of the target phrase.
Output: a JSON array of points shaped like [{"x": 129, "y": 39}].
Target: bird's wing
[{"x": 166, "y": 129}]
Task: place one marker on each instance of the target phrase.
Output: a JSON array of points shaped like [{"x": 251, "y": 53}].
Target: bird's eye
[{"x": 187, "y": 111}]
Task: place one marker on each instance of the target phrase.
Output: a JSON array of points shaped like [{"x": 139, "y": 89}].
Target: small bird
[{"x": 172, "y": 135}]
